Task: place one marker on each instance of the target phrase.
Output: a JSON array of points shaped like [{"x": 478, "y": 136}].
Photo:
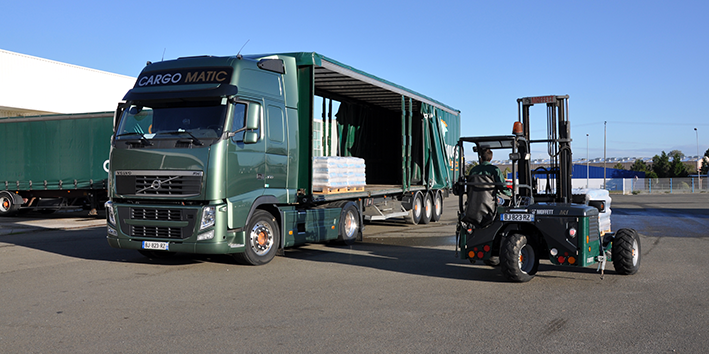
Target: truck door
[
  {"x": 245, "y": 168},
  {"x": 276, "y": 153}
]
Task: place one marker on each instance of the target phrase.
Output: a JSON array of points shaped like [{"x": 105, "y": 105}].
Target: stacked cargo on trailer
[
  {"x": 216, "y": 155},
  {"x": 54, "y": 161}
]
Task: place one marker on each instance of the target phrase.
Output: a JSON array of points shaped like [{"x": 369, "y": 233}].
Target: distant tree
[
  {"x": 619, "y": 166},
  {"x": 469, "y": 167},
  {"x": 705, "y": 163},
  {"x": 640, "y": 166},
  {"x": 661, "y": 165},
  {"x": 677, "y": 168},
  {"x": 674, "y": 153}
]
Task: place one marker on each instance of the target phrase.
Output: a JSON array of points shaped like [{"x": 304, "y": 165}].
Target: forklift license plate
[{"x": 517, "y": 217}]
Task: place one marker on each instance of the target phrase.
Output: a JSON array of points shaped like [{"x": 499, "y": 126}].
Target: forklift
[{"x": 543, "y": 218}]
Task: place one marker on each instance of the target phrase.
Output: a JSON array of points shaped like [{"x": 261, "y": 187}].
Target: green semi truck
[
  {"x": 219, "y": 155},
  {"x": 52, "y": 162}
]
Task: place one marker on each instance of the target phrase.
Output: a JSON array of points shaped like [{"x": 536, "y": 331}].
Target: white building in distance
[{"x": 35, "y": 86}]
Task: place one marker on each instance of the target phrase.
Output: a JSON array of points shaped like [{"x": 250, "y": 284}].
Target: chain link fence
[{"x": 659, "y": 185}]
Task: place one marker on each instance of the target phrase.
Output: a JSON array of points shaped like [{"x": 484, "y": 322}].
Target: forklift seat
[{"x": 482, "y": 202}]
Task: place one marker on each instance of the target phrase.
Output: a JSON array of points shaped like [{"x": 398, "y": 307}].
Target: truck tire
[
  {"x": 8, "y": 204},
  {"x": 518, "y": 258},
  {"x": 262, "y": 238},
  {"x": 626, "y": 251},
  {"x": 437, "y": 206},
  {"x": 416, "y": 209},
  {"x": 349, "y": 224},
  {"x": 427, "y": 210}
]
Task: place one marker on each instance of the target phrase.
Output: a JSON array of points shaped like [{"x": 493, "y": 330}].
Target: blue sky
[{"x": 639, "y": 65}]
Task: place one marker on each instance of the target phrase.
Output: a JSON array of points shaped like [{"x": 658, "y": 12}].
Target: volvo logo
[{"x": 156, "y": 184}]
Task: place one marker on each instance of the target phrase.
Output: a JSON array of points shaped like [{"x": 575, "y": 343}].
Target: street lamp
[
  {"x": 699, "y": 164},
  {"x": 587, "y": 168},
  {"x": 604, "y": 154}
]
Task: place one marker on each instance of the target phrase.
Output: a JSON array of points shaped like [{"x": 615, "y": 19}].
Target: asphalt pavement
[{"x": 64, "y": 290}]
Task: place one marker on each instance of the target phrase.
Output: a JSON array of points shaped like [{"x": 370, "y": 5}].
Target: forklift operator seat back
[{"x": 482, "y": 204}]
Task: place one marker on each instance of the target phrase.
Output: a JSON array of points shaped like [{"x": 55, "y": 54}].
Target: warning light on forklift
[
  {"x": 572, "y": 232},
  {"x": 518, "y": 128}
]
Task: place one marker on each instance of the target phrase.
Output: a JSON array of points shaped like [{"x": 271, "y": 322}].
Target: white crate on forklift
[
  {"x": 338, "y": 172},
  {"x": 591, "y": 194}
]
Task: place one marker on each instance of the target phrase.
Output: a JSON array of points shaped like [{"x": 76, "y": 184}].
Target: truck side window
[
  {"x": 238, "y": 121},
  {"x": 275, "y": 124}
]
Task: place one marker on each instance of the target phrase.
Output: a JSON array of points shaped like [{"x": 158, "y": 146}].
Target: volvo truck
[{"x": 214, "y": 155}]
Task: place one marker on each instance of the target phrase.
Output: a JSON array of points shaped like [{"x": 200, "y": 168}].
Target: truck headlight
[
  {"x": 207, "y": 217},
  {"x": 110, "y": 215}
]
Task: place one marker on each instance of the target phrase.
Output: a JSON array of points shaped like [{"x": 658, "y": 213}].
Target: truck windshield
[{"x": 199, "y": 120}]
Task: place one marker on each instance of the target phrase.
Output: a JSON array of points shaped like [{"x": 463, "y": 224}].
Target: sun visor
[{"x": 186, "y": 92}]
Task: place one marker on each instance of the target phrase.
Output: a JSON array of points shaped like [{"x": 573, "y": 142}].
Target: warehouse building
[{"x": 35, "y": 86}]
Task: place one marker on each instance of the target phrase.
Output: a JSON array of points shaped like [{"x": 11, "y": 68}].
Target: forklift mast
[{"x": 558, "y": 142}]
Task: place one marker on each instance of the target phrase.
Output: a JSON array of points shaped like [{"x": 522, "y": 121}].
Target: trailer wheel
[
  {"x": 262, "y": 238},
  {"x": 427, "y": 210},
  {"x": 416, "y": 209},
  {"x": 349, "y": 224},
  {"x": 518, "y": 258},
  {"x": 437, "y": 206},
  {"x": 8, "y": 206},
  {"x": 626, "y": 251}
]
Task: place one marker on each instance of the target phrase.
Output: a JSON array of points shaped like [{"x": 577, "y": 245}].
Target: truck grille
[
  {"x": 156, "y": 214},
  {"x": 168, "y": 223},
  {"x": 162, "y": 183},
  {"x": 593, "y": 229},
  {"x": 157, "y": 232}
]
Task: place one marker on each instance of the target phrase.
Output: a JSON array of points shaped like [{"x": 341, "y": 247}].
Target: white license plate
[
  {"x": 517, "y": 217},
  {"x": 152, "y": 245}
]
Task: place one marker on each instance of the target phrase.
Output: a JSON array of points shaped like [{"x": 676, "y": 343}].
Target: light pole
[
  {"x": 699, "y": 162},
  {"x": 604, "y": 154},
  {"x": 587, "y": 168}
]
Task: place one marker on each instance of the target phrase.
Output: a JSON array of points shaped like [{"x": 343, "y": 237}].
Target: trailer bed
[{"x": 373, "y": 190}]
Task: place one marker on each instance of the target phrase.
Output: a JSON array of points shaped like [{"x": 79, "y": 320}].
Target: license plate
[
  {"x": 152, "y": 245},
  {"x": 517, "y": 217}
]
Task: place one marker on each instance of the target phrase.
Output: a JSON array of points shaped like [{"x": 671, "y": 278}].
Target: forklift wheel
[
  {"x": 626, "y": 251},
  {"x": 518, "y": 258}
]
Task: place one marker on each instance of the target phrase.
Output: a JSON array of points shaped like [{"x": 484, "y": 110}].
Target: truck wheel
[
  {"x": 427, "y": 210},
  {"x": 261, "y": 240},
  {"x": 8, "y": 206},
  {"x": 626, "y": 251},
  {"x": 518, "y": 258},
  {"x": 349, "y": 224},
  {"x": 416, "y": 209},
  {"x": 437, "y": 206}
]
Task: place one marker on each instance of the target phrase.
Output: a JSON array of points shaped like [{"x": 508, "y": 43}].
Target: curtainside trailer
[
  {"x": 52, "y": 162},
  {"x": 248, "y": 155}
]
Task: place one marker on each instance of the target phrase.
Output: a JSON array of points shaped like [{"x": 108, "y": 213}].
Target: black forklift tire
[
  {"x": 519, "y": 259},
  {"x": 626, "y": 251}
]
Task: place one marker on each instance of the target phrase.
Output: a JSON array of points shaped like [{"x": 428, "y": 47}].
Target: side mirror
[
  {"x": 250, "y": 137},
  {"x": 253, "y": 117}
]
